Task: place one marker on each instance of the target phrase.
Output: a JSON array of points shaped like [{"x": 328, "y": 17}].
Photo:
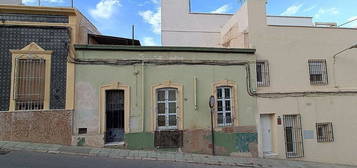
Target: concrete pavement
[{"x": 163, "y": 156}]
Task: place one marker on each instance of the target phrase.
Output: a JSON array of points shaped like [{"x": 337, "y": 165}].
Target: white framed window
[
  {"x": 224, "y": 106},
  {"x": 263, "y": 74},
  {"x": 166, "y": 108},
  {"x": 318, "y": 72}
]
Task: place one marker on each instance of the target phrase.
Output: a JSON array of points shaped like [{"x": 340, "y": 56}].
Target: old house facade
[
  {"x": 37, "y": 83},
  {"x": 306, "y": 94},
  {"x": 157, "y": 98}
]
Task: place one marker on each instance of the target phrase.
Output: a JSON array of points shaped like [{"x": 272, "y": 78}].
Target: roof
[
  {"x": 165, "y": 49},
  {"x": 110, "y": 40},
  {"x": 37, "y": 9}
]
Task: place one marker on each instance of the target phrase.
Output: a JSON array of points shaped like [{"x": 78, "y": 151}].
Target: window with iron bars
[
  {"x": 167, "y": 108},
  {"x": 29, "y": 84},
  {"x": 324, "y": 132},
  {"x": 318, "y": 72},
  {"x": 224, "y": 106},
  {"x": 263, "y": 74}
]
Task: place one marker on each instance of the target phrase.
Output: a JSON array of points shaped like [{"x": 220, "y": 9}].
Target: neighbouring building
[
  {"x": 11, "y": 2},
  {"x": 156, "y": 98},
  {"x": 36, "y": 75},
  {"x": 306, "y": 94}
]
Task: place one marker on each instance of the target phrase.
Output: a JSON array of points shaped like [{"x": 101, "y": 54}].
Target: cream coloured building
[{"x": 306, "y": 96}]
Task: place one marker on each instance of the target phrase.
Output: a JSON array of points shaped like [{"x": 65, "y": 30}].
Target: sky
[{"x": 116, "y": 17}]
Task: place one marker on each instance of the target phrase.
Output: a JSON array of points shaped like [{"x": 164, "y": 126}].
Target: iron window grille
[
  {"x": 29, "y": 84},
  {"x": 224, "y": 106},
  {"x": 293, "y": 136},
  {"x": 324, "y": 132},
  {"x": 114, "y": 112},
  {"x": 318, "y": 72},
  {"x": 166, "y": 108},
  {"x": 263, "y": 74}
]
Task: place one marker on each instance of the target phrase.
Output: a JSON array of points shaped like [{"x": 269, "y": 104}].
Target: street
[{"x": 24, "y": 159}]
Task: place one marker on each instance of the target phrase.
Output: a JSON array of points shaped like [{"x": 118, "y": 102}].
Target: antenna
[
  {"x": 72, "y": 3},
  {"x": 133, "y": 35},
  {"x": 39, "y": 2},
  {"x": 348, "y": 22}
]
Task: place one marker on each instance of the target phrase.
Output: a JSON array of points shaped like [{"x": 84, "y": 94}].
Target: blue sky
[{"x": 115, "y": 17}]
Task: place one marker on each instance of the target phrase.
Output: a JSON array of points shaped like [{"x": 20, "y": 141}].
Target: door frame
[
  {"x": 102, "y": 106},
  {"x": 259, "y": 132},
  {"x": 297, "y": 135}
]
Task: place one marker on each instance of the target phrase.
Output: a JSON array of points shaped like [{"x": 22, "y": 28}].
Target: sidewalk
[{"x": 163, "y": 156}]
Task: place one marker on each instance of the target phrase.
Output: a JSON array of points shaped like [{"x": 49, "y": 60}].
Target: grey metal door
[{"x": 114, "y": 116}]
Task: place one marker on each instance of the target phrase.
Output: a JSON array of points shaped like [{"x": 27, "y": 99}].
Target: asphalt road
[{"x": 21, "y": 159}]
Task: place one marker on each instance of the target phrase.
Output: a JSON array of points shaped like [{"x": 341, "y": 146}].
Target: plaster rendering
[
  {"x": 287, "y": 45},
  {"x": 165, "y": 67}
]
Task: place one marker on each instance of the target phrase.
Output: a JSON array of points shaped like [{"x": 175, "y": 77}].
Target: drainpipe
[
  {"x": 143, "y": 95},
  {"x": 334, "y": 62},
  {"x": 195, "y": 92}
]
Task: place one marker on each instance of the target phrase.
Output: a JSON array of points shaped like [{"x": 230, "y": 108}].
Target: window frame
[
  {"x": 31, "y": 51},
  {"x": 264, "y": 73},
  {"x": 234, "y": 102},
  {"x": 179, "y": 104},
  {"x": 323, "y": 72},
  {"x": 167, "y": 113},
  {"x": 326, "y": 136},
  {"x": 224, "y": 100}
]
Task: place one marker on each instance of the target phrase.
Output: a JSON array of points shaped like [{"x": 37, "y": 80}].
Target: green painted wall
[
  {"x": 139, "y": 141},
  {"x": 89, "y": 78},
  {"x": 233, "y": 142}
]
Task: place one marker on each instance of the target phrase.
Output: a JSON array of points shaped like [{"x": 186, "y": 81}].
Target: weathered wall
[
  {"x": 89, "y": 79},
  {"x": 236, "y": 141},
  {"x": 53, "y": 127}
]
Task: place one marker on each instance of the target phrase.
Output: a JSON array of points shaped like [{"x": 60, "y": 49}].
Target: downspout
[
  {"x": 195, "y": 92},
  {"x": 143, "y": 95}
]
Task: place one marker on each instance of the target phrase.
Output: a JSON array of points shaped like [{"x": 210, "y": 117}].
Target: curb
[{"x": 114, "y": 154}]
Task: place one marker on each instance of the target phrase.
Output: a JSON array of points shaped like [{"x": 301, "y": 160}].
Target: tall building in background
[
  {"x": 306, "y": 95},
  {"x": 11, "y": 2}
]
